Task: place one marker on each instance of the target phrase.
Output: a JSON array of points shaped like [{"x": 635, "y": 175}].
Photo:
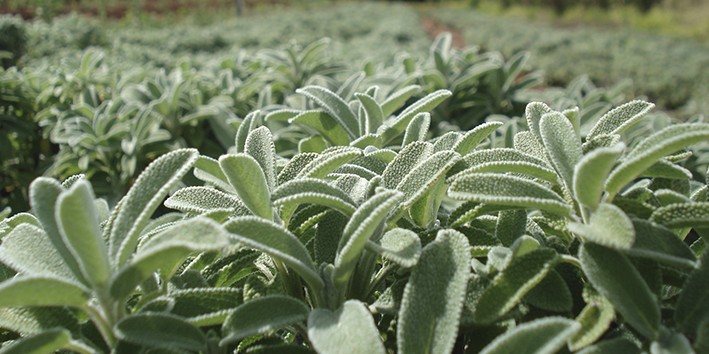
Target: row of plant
[
  {"x": 375, "y": 238},
  {"x": 668, "y": 71},
  {"x": 108, "y": 119}
]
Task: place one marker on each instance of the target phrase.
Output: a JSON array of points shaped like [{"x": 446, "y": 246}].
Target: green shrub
[{"x": 13, "y": 42}]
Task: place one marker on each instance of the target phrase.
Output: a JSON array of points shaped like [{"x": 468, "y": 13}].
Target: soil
[{"x": 434, "y": 28}]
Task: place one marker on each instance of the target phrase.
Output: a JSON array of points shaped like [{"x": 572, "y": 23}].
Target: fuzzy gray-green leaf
[
  {"x": 433, "y": 298},
  {"x": 595, "y": 319},
  {"x": 475, "y": 136},
  {"x": 562, "y": 145},
  {"x": 398, "y": 99},
  {"x": 205, "y": 306},
  {"x": 500, "y": 189},
  {"x": 329, "y": 161},
  {"x": 620, "y": 118},
  {"x": 259, "y": 144},
  {"x": 28, "y": 250},
  {"x": 79, "y": 226},
  {"x": 591, "y": 172},
  {"x": 392, "y": 128},
  {"x": 615, "y": 277},
  {"x": 648, "y": 151},
  {"x": 48, "y": 341},
  {"x": 508, "y": 287},
  {"x": 323, "y": 123},
  {"x": 161, "y": 330},
  {"x": 408, "y": 158},
  {"x": 375, "y": 115},
  {"x": 261, "y": 315},
  {"x": 417, "y": 128},
  {"x": 543, "y": 336},
  {"x": 207, "y": 169},
  {"x": 694, "y": 214},
  {"x": 313, "y": 191},
  {"x": 533, "y": 114},
  {"x": 249, "y": 181},
  {"x": 42, "y": 291},
  {"x": 360, "y": 228},
  {"x": 43, "y": 197},
  {"x": 400, "y": 246},
  {"x": 200, "y": 200},
  {"x": 277, "y": 242},
  {"x": 136, "y": 208},
  {"x": 334, "y": 105},
  {"x": 608, "y": 226},
  {"x": 507, "y": 160},
  {"x": 349, "y": 329}
]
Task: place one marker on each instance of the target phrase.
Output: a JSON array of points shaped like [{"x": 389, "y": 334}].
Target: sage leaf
[
  {"x": 533, "y": 114},
  {"x": 359, "y": 229},
  {"x": 48, "y": 341},
  {"x": 249, "y": 181},
  {"x": 400, "y": 246},
  {"x": 324, "y": 124},
  {"x": 161, "y": 330},
  {"x": 28, "y": 250},
  {"x": 694, "y": 214},
  {"x": 259, "y": 144},
  {"x": 613, "y": 346},
  {"x": 135, "y": 209},
  {"x": 277, "y": 242},
  {"x": 42, "y": 291},
  {"x": 608, "y": 226},
  {"x": 417, "y": 128},
  {"x": 79, "y": 226},
  {"x": 44, "y": 193},
  {"x": 205, "y": 306},
  {"x": 513, "y": 282},
  {"x": 500, "y": 189},
  {"x": 334, "y": 105},
  {"x": 398, "y": 99},
  {"x": 620, "y": 118},
  {"x": 595, "y": 319},
  {"x": 313, "y": 191},
  {"x": 408, "y": 158},
  {"x": 655, "y": 242},
  {"x": 208, "y": 170},
  {"x": 374, "y": 113},
  {"x": 349, "y": 329},
  {"x": 691, "y": 307},
  {"x": 200, "y": 200},
  {"x": 615, "y": 277},
  {"x": 261, "y": 315},
  {"x": 474, "y": 137},
  {"x": 543, "y": 336},
  {"x": 329, "y": 161},
  {"x": 591, "y": 172},
  {"x": 394, "y": 127},
  {"x": 562, "y": 145},
  {"x": 551, "y": 294},
  {"x": 648, "y": 151},
  {"x": 166, "y": 251},
  {"x": 433, "y": 298}
]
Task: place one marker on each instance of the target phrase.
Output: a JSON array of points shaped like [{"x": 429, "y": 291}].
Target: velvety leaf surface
[
  {"x": 42, "y": 291},
  {"x": 608, "y": 226},
  {"x": 591, "y": 172},
  {"x": 695, "y": 214},
  {"x": 349, "y": 329},
  {"x": 691, "y": 307},
  {"x": 400, "y": 246},
  {"x": 313, "y": 191},
  {"x": 200, "y": 200},
  {"x": 28, "y": 250},
  {"x": 249, "y": 181},
  {"x": 562, "y": 145},
  {"x": 500, "y": 189},
  {"x": 334, "y": 105},
  {"x": 621, "y": 118},
  {"x": 44, "y": 342},
  {"x": 136, "y": 208},
  {"x": 433, "y": 297}
]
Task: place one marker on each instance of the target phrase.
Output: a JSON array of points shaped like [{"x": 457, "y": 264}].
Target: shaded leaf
[
  {"x": 691, "y": 307},
  {"x": 595, "y": 319},
  {"x": 161, "y": 330},
  {"x": 417, "y": 128},
  {"x": 334, "y": 105},
  {"x": 658, "y": 243},
  {"x": 262, "y": 315},
  {"x": 400, "y": 246},
  {"x": 325, "y": 125},
  {"x": 513, "y": 282},
  {"x": 313, "y": 191},
  {"x": 543, "y": 336},
  {"x": 249, "y": 181},
  {"x": 615, "y": 277},
  {"x": 48, "y": 341}
]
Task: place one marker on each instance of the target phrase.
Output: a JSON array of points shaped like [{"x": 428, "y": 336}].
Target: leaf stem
[
  {"x": 571, "y": 260},
  {"x": 104, "y": 327}
]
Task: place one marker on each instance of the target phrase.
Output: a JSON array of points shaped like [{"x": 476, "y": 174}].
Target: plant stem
[{"x": 104, "y": 327}]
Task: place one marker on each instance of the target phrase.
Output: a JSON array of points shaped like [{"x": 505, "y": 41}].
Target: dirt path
[{"x": 434, "y": 28}]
